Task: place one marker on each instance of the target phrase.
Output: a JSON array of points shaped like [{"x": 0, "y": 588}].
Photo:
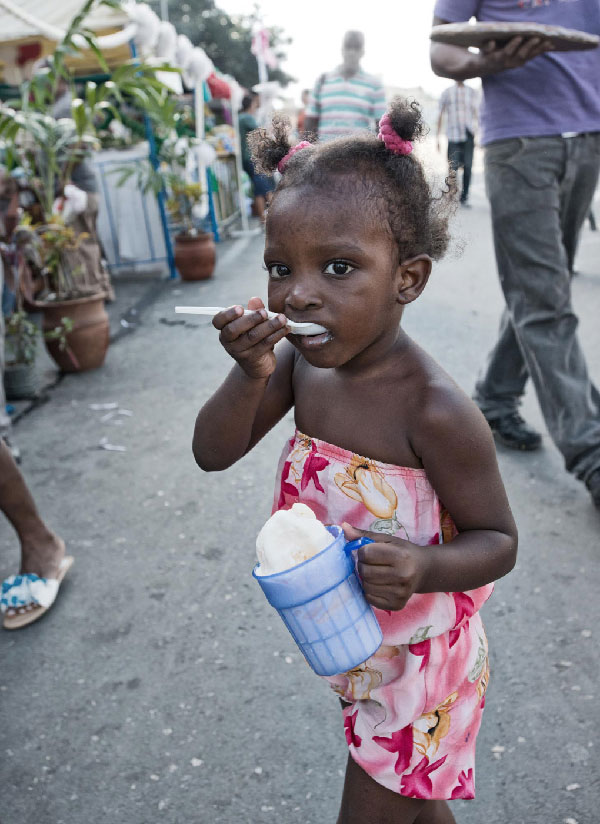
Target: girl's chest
[{"x": 371, "y": 418}]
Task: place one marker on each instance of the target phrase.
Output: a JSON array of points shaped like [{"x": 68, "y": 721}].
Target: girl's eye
[
  {"x": 338, "y": 267},
  {"x": 277, "y": 270}
]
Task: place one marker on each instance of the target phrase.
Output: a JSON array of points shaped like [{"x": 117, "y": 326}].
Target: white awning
[{"x": 20, "y": 19}]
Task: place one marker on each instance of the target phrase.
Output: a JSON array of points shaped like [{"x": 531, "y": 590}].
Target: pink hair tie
[
  {"x": 392, "y": 139},
  {"x": 285, "y": 160}
]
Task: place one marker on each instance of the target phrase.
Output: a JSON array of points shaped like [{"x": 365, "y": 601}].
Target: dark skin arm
[
  {"x": 458, "y": 454},
  {"x": 459, "y": 63},
  {"x": 255, "y": 395}
]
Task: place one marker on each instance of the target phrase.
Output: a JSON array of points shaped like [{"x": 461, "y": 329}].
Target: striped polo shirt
[
  {"x": 461, "y": 106},
  {"x": 346, "y": 104}
]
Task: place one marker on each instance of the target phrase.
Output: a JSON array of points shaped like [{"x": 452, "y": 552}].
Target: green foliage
[
  {"x": 184, "y": 196},
  {"x": 47, "y": 148},
  {"x": 45, "y": 248},
  {"x": 22, "y": 337},
  {"x": 168, "y": 175},
  {"x": 225, "y": 39}
]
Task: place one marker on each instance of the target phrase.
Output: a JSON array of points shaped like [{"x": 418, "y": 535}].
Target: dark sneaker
[
  {"x": 593, "y": 484},
  {"x": 13, "y": 449},
  {"x": 512, "y": 431}
]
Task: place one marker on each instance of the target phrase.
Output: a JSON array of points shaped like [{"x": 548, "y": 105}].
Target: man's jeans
[
  {"x": 540, "y": 190},
  {"x": 460, "y": 153},
  {"x": 4, "y": 419}
]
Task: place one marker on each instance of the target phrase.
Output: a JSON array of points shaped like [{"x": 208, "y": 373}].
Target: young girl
[{"x": 350, "y": 238}]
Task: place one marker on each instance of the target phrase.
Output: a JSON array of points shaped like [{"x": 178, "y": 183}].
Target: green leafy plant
[
  {"x": 45, "y": 247},
  {"x": 47, "y": 149},
  {"x": 168, "y": 175},
  {"x": 184, "y": 196},
  {"x": 22, "y": 338}
]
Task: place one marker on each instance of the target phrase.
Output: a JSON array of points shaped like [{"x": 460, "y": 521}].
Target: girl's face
[{"x": 331, "y": 263}]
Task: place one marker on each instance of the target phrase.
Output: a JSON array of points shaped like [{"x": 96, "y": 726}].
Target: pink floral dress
[{"x": 416, "y": 705}]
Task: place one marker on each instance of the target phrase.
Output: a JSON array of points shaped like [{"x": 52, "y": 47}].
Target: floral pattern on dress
[{"x": 414, "y": 708}]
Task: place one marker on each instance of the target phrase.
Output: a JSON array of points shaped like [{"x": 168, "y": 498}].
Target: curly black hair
[{"x": 395, "y": 185}]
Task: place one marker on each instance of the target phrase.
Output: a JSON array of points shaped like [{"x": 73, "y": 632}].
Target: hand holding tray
[{"x": 476, "y": 34}]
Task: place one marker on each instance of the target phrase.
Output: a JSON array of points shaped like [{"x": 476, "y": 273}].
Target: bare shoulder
[
  {"x": 456, "y": 447},
  {"x": 444, "y": 413}
]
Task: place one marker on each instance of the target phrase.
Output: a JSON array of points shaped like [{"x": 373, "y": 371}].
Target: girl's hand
[
  {"x": 250, "y": 339},
  {"x": 391, "y": 569}
]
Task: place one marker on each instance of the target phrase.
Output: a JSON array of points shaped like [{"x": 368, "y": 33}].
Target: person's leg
[
  {"x": 577, "y": 189},
  {"x": 454, "y": 155},
  {"x": 501, "y": 385},
  {"x": 364, "y": 801},
  {"x": 523, "y": 179},
  {"x": 5, "y": 422},
  {"x": 4, "y": 418},
  {"x": 435, "y": 812},
  {"x": 263, "y": 186},
  {"x": 469, "y": 145},
  {"x": 259, "y": 207},
  {"x": 41, "y": 549}
]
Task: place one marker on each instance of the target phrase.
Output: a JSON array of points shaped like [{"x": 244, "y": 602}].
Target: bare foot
[{"x": 42, "y": 555}]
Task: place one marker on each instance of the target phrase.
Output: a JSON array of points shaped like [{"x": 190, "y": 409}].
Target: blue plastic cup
[{"x": 322, "y": 604}]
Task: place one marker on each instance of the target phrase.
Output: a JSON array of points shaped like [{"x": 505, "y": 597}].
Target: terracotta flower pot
[
  {"x": 87, "y": 342},
  {"x": 195, "y": 256}
]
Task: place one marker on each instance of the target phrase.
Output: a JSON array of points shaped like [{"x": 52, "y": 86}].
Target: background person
[
  {"x": 541, "y": 132},
  {"x": 347, "y": 99},
  {"x": 459, "y": 104},
  {"x": 262, "y": 185}
]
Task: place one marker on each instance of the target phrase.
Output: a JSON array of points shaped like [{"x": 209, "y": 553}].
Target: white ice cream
[{"x": 290, "y": 537}]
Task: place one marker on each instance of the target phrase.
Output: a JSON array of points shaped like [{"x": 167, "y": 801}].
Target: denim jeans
[
  {"x": 460, "y": 154},
  {"x": 540, "y": 190}
]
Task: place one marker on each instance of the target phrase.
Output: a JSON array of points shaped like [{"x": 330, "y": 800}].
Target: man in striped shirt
[
  {"x": 347, "y": 99},
  {"x": 460, "y": 104}
]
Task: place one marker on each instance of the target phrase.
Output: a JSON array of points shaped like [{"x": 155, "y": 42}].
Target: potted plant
[
  {"x": 64, "y": 302},
  {"x": 21, "y": 337},
  {"x": 21, "y": 344},
  {"x": 46, "y": 150},
  {"x": 195, "y": 251}
]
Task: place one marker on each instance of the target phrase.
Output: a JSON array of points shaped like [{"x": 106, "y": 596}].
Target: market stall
[{"x": 29, "y": 32}]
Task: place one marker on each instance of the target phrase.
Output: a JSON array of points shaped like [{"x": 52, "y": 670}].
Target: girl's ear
[{"x": 411, "y": 278}]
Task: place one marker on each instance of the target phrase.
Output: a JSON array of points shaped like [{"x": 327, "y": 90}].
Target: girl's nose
[{"x": 302, "y": 296}]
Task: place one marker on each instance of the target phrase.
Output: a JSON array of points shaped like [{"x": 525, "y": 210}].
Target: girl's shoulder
[
  {"x": 432, "y": 388},
  {"x": 441, "y": 409}
]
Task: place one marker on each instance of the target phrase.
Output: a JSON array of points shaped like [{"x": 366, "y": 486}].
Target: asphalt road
[{"x": 161, "y": 687}]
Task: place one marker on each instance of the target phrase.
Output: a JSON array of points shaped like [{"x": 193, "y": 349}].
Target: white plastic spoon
[{"x": 296, "y": 328}]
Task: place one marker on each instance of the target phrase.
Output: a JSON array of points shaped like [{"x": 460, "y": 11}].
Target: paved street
[{"x": 162, "y": 688}]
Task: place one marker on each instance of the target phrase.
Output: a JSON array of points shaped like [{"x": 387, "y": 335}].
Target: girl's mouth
[{"x": 311, "y": 341}]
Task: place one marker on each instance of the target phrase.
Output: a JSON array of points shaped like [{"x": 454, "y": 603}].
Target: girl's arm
[
  {"x": 256, "y": 393},
  {"x": 459, "y": 456},
  {"x": 457, "y": 450}
]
